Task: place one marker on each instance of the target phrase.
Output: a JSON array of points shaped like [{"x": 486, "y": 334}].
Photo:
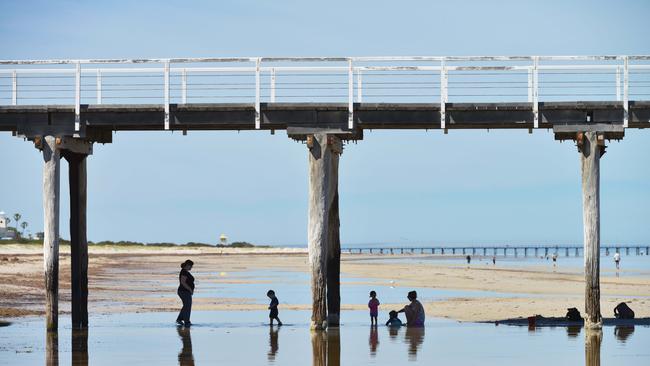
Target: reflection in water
[
  {"x": 593, "y": 339},
  {"x": 273, "y": 343},
  {"x": 52, "y": 348},
  {"x": 573, "y": 330},
  {"x": 623, "y": 332},
  {"x": 80, "y": 347},
  {"x": 185, "y": 356},
  {"x": 373, "y": 340},
  {"x": 326, "y": 347},
  {"x": 393, "y": 332},
  {"x": 414, "y": 338},
  {"x": 333, "y": 347}
]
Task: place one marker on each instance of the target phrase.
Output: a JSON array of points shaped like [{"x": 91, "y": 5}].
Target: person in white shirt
[{"x": 617, "y": 260}]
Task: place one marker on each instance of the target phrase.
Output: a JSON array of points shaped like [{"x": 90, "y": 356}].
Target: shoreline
[{"x": 152, "y": 272}]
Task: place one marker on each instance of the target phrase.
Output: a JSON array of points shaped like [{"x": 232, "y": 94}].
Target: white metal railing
[{"x": 256, "y": 80}]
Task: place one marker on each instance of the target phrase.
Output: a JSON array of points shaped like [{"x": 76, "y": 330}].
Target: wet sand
[{"x": 136, "y": 279}]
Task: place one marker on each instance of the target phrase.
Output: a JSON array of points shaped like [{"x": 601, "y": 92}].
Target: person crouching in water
[
  {"x": 414, "y": 311},
  {"x": 273, "y": 307},
  {"x": 185, "y": 292},
  {"x": 394, "y": 320},
  {"x": 373, "y": 305}
]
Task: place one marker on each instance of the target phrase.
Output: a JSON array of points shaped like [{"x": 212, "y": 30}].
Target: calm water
[{"x": 242, "y": 338}]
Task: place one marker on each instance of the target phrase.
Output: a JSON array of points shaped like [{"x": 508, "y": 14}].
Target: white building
[{"x": 4, "y": 228}]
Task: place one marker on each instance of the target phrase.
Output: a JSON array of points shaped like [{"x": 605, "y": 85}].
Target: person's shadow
[
  {"x": 273, "y": 343},
  {"x": 623, "y": 332},
  {"x": 414, "y": 337},
  {"x": 185, "y": 356}
]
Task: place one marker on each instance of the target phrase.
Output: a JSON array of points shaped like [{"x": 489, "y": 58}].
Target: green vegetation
[{"x": 191, "y": 244}]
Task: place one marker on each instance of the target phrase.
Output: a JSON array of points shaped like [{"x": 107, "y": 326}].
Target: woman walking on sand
[{"x": 185, "y": 292}]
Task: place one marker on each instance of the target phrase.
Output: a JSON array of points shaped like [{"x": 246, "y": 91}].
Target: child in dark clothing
[{"x": 273, "y": 307}]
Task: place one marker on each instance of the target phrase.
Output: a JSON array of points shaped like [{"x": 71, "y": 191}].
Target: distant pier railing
[{"x": 517, "y": 251}]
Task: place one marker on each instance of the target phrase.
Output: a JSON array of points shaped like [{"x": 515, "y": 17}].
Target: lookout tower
[{"x": 223, "y": 239}]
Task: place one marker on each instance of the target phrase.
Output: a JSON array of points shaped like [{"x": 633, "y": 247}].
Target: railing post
[
  {"x": 14, "y": 88},
  {"x": 350, "y": 95},
  {"x": 166, "y": 94},
  {"x": 273, "y": 85},
  {"x": 626, "y": 90},
  {"x": 618, "y": 83},
  {"x": 77, "y": 98},
  {"x": 530, "y": 85},
  {"x": 535, "y": 92},
  {"x": 99, "y": 86},
  {"x": 184, "y": 86},
  {"x": 257, "y": 94},
  {"x": 443, "y": 95},
  {"x": 359, "y": 87}
]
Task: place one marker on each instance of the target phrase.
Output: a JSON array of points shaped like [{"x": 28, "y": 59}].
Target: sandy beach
[{"x": 141, "y": 279}]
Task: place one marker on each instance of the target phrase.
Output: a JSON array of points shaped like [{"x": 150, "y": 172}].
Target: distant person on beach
[
  {"x": 494, "y": 260},
  {"x": 273, "y": 307},
  {"x": 617, "y": 260},
  {"x": 394, "y": 320},
  {"x": 185, "y": 292},
  {"x": 554, "y": 259},
  {"x": 622, "y": 311},
  {"x": 469, "y": 259},
  {"x": 373, "y": 305},
  {"x": 414, "y": 311}
]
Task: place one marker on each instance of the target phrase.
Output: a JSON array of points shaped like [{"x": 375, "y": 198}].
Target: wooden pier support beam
[
  {"x": 323, "y": 223},
  {"x": 51, "y": 191},
  {"x": 78, "y": 238},
  {"x": 590, "y": 152},
  {"x": 334, "y": 248}
]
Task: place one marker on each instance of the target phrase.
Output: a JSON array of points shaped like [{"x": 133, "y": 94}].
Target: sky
[{"x": 406, "y": 187}]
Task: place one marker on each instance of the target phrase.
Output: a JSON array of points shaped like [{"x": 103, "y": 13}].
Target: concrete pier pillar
[
  {"x": 590, "y": 153},
  {"x": 51, "y": 191},
  {"x": 78, "y": 239},
  {"x": 324, "y": 153}
]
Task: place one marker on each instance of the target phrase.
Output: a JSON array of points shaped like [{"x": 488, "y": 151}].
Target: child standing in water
[
  {"x": 373, "y": 304},
  {"x": 273, "y": 307}
]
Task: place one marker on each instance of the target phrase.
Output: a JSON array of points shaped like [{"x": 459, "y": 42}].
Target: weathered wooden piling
[
  {"x": 590, "y": 152},
  {"x": 78, "y": 238},
  {"x": 51, "y": 188},
  {"x": 324, "y": 152},
  {"x": 334, "y": 247}
]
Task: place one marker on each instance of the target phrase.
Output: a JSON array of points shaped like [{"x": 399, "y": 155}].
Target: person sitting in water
[
  {"x": 414, "y": 311},
  {"x": 394, "y": 319},
  {"x": 622, "y": 311}
]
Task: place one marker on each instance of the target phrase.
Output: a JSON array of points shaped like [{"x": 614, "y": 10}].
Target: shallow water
[
  {"x": 631, "y": 265},
  {"x": 243, "y": 338},
  {"x": 294, "y": 288}
]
